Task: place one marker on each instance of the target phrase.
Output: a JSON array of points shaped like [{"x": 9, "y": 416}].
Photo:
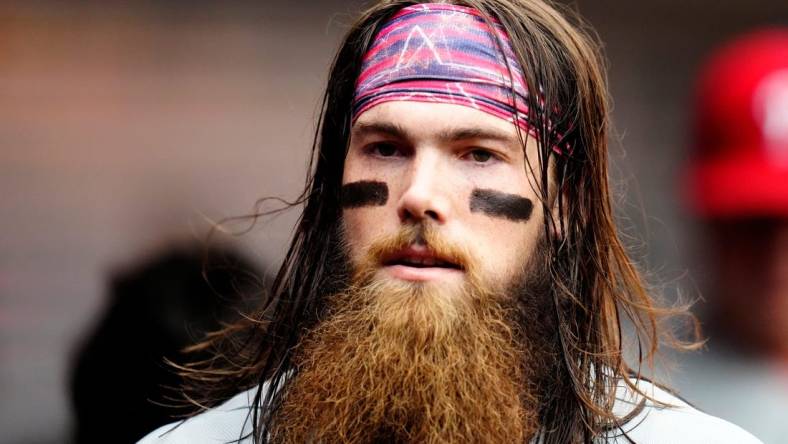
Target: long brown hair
[{"x": 595, "y": 284}]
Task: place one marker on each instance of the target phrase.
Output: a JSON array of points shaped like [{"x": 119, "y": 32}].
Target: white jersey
[{"x": 678, "y": 424}]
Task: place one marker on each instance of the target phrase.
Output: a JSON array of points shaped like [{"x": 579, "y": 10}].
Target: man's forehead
[{"x": 439, "y": 122}]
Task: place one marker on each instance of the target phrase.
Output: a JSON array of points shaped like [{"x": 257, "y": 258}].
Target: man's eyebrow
[
  {"x": 458, "y": 134},
  {"x": 392, "y": 129},
  {"x": 379, "y": 128}
]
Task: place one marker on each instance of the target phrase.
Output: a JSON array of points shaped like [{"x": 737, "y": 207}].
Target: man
[
  {"x": 456, "y": 274},
  {"x": 739, "y": 190},
  {"x": 181, "y": 297}
]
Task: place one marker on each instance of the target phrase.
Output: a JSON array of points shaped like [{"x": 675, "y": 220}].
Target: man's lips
[
  {"x": 419, "y": 257},
  {"x": 418, "y": 263}
]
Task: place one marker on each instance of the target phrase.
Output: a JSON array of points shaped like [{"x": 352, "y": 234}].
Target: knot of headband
[{"x": 436, "y": 52}]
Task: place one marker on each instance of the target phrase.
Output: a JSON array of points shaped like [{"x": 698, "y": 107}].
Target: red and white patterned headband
[{"x": 436, "y": 52}]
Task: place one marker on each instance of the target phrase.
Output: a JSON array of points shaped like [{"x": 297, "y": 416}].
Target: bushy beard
[{"x": 399, "y": 361}]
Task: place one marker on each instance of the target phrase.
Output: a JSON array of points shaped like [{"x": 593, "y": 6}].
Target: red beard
[{"x": 398, "y": 361}]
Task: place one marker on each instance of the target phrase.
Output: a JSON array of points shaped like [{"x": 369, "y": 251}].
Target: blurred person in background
[
  {"x": 121, "y": 386},
  {"x": 739, "y": 191}
]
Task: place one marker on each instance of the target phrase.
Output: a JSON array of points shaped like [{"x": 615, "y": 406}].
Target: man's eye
[
  {"x": 481, "y": 156},
  {"x": 383, "y": 149}
]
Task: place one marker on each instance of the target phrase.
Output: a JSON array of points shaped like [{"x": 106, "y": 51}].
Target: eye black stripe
[
  {"x": 364, "y": 193},
  {"x": 498, "y": 204}
]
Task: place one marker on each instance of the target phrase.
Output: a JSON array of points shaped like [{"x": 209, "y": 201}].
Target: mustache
[{"x": 423, "y": 235}]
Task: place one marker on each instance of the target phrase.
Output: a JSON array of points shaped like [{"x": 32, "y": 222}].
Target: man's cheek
[{"x": 361, "y": 226}]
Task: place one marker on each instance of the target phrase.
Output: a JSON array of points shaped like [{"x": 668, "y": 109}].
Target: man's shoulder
[
  {"x": 667, "y": 419},
  {"x": 663, "y": 419},
  {"x": 230, "y": 422}
]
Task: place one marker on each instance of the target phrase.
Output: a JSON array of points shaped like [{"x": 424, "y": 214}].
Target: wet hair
[{"x": 595, "y": 284}]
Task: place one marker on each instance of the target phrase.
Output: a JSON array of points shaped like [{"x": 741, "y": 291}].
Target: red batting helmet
[{"x": 740, "y": 162}]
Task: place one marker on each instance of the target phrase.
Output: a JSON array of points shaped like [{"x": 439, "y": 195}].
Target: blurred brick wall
[{"x": 119, "y": 127}]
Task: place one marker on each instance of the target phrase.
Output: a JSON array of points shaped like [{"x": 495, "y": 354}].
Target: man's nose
[{"x": 426, "y": 191}]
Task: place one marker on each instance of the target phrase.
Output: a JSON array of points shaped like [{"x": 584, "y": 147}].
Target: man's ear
[{"x": 559, "y": 214}]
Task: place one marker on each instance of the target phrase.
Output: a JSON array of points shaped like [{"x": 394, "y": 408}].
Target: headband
[{"x": 443, "y": 53}]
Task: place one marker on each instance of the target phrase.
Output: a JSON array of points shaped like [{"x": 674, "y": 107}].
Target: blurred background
[{"x": 126, "y": 127}]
